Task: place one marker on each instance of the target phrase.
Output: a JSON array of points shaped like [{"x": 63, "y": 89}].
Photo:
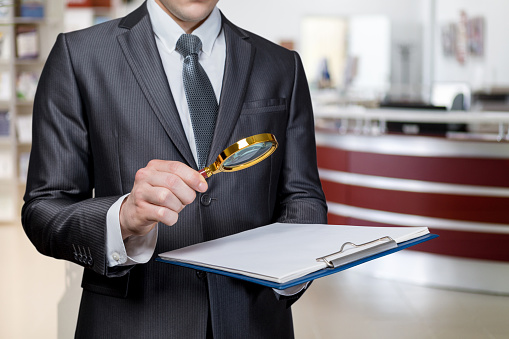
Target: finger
[
  {"x": 169, "y": 182},
  {"x": 163, "y": 214},
  {"x": 159, "y": 178},
  {"x": 192, "y": 178},
  {"x": 145, "y": 214},
  {"x": 164, "y": 197}
]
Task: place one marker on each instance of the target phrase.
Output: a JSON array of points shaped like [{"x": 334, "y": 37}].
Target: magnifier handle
[{"x": 203, "y": 172}]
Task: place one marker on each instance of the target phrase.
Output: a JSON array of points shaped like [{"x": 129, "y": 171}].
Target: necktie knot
[{"x": 188, "y": 44}]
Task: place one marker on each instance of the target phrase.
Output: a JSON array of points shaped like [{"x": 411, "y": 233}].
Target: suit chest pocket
[{"x": 263, "y": 116}]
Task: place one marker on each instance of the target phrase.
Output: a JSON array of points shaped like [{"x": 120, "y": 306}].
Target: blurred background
[{"x": 411, "y": 102}]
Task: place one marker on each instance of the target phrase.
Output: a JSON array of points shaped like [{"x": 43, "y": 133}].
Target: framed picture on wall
[
  {"x": 475, "y": 33},
  {"x": 449, "y": 32}
]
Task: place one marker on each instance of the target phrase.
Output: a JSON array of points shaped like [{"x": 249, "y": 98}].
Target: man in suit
[{"x": 114, "y": 165}]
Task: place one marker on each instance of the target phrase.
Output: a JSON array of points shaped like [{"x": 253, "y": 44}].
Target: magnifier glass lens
[{"x": 248, "y": 154}]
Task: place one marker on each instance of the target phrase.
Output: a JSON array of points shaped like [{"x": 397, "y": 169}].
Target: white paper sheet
[{"x": 282, "y": 252}]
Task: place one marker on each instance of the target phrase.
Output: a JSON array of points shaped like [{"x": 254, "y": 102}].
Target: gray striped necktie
[{"x": 200, "y": 96}]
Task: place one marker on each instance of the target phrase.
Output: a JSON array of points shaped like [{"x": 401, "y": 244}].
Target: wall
[
  {"x": 490, "y": 70},
  {"x": 280, "y": 20}
]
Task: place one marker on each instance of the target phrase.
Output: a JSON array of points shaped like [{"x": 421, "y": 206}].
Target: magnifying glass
[{"x": 242, "y": 154}]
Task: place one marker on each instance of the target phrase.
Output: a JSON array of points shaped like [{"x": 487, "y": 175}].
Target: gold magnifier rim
[{"x": 218, "y": 166}]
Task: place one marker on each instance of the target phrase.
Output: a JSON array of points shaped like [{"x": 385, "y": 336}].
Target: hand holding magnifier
[{"x": 242, "y": 154}]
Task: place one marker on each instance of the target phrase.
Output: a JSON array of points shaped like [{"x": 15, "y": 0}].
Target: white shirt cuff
[{"x": 135, "y": 249}]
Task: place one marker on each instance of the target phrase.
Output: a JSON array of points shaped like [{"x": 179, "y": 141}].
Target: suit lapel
[
  {"x": 239, "y": 60},
  {"x": 140, "y": 50}
]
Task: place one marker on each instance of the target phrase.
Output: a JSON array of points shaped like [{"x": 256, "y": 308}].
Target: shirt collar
[{"x": 168, "y": 31}]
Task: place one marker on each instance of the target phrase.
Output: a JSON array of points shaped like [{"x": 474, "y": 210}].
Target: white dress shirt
[{"x": 139, "y": 249}]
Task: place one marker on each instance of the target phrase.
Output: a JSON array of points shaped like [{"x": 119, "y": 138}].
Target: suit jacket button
[{"x": 206, "y": 200}]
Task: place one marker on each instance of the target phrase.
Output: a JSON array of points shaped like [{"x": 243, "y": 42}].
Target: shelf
[
  {"x": 21, "y": 102},
  {"x": 19, "y": 75},
  {"x": 22, "y": 20},
  {"x": 5, "y": 141},
  {"x": 29, "y": 62},
  {"x": 28, "y": 21},
  {"x": 101, "y": 10}
]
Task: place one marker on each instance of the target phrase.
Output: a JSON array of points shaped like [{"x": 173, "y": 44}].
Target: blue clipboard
[{"x": 311, "y": 276}]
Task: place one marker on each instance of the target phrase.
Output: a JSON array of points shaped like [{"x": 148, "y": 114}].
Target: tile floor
[
  {"x": 355, "y": 305},
  {"x": 43, "y": 292}
]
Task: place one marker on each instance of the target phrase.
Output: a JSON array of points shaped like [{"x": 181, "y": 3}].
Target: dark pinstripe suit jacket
[{"x": 103, "y": 110}]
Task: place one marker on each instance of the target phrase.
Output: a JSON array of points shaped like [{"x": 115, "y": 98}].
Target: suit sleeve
[
  {"x": 60, "y": 215},
  {"x": 300, "y": 193}
]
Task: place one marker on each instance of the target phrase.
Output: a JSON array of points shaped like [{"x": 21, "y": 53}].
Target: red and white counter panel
[{"x": 458, "y": 189}]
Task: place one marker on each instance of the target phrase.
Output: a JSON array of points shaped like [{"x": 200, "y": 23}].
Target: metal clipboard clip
[{"x": 334, "y": 260}]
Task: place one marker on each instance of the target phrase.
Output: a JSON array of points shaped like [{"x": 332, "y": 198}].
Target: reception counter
[{"x": 457, "y": 188}]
